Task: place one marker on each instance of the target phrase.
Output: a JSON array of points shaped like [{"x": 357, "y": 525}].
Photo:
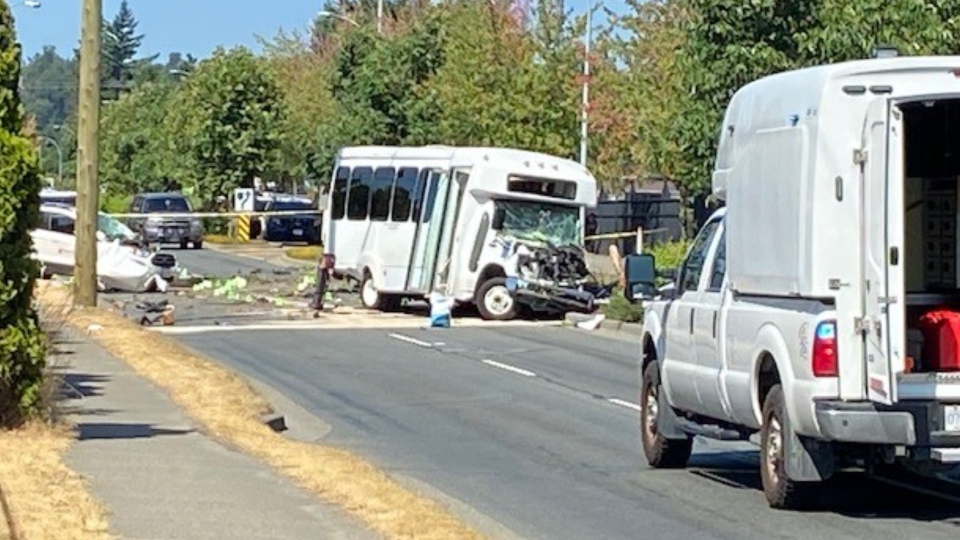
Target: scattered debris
[
  {"x": 593, "y": 323},
  {"x": 156, "y": 311},
  {"x": 93, "y": 328}
]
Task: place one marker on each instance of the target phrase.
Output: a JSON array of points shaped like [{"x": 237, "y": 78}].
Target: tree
[
  {"x": 138, "y": 147},
  {"x": 915, "y": 28},
  {"x": 231, "y": 110},
  {"x": 121, "y": 43},
  {"x": 495, "y": 85},
  {"x": 22, "y": 344},
  {"x": 648, "y": 92},
  {"x": 728, "y": 44},
  {"x": 311, "y": 128}
]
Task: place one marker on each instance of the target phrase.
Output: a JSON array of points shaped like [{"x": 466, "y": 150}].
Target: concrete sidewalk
[{"x": 160, "y": 478}]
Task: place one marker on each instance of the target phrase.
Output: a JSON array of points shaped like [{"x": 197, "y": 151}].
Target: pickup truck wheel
[
  {"x": 661, "y": 453},
  {"x": 781, "y": 492}
]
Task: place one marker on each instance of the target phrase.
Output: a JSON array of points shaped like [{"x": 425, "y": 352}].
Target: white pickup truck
[{"x": 802, "y": 310}]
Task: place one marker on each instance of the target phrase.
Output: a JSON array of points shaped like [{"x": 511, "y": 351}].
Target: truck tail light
[{"x": 824, "y": 358}]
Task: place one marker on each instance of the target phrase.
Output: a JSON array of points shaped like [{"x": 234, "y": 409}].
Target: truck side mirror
[
  {"x": 499, "y": 216},
  {"x": 640, "y": 271}
]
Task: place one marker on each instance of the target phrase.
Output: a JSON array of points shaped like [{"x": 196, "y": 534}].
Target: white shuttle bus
[{"x": 409, "y": 221}]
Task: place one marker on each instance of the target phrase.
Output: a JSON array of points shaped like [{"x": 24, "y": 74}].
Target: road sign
[{"x": 243, "y": 200}]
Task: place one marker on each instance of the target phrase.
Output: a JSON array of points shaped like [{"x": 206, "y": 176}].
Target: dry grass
[
  {"x": 44, "y": 498},
  {"x": 230, "y": 410},
  {"x": 304, "y": 253},
  {"x": 47, "y": 500},
  {"x": 221, "y": 239}
]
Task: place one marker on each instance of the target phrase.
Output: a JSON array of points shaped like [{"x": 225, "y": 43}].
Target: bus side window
[
  {"x": 358, "y": 196},
  {"x": 418, "y": 195},
  {"x": 339, "y": 203},
  {"x": 381, "y": 189},
  {"x": 404, "y": 193}
]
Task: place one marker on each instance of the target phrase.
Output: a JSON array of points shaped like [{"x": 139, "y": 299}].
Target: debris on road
[
  {"x": 440, "y": 310},
  {"x": 156, "y": 311}
]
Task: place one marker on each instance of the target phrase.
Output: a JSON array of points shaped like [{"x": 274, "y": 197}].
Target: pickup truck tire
[
  {"x": 661, "y": 453},
  {"x": 781, "y": 492}
]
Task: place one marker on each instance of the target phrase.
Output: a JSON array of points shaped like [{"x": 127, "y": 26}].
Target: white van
[
  {"x": 791, "y": 313},
  {"x": 494, "y": 226}
]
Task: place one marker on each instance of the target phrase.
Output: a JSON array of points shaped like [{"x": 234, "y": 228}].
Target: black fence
[{"x": 653, "y": 213}]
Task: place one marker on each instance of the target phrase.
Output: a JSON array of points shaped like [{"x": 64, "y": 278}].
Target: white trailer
[
  {"x": 791, "y": 313},
  {"x": 410, "y": 221}
]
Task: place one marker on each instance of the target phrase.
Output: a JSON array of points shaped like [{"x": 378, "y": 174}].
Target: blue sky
[{"x": 187, "y": 26}]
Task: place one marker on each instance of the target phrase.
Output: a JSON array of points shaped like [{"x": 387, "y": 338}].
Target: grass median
[
  {"x": 231, "y": 411},
  {"x": 304, "y": 253}
]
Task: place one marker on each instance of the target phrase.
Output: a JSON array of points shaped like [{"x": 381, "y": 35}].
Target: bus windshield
[{"x": 541, "y": 222}]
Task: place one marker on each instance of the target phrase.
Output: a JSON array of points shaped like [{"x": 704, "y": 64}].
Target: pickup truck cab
[{"x": 820, "y": 308}]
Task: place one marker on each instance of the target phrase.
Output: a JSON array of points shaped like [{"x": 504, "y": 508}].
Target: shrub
[
  {"x": 621, "y": 309},
  {"x": 22, "y": 342},
  {"x": 669, "y": 254}
]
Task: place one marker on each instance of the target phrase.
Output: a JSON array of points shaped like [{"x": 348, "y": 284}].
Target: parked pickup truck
[{"x": 820, "y": 307}]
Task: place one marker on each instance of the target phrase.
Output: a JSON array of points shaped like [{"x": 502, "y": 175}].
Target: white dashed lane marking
[{"x": 508, "y": 367}]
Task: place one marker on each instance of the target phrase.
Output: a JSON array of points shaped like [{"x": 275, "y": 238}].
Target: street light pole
[
  {"x": 331, "y": 14},
  {"x": 88, "y": 156},
  {"x": 56, "y": 145},
  {"x": 585, "y": 97}
]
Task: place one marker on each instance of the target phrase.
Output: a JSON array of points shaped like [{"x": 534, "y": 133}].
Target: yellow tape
[{"x": 611, "y": 236}]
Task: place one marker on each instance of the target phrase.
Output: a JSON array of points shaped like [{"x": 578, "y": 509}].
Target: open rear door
[{"x": 882, "y": 321}]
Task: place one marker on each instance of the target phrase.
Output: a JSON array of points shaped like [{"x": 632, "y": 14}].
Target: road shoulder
[
  {"x": 232, "y": 413},
  {"x": 160, "y": 477}
]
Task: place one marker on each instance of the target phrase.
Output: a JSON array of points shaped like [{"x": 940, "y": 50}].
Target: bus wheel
[
  {"x": 495, "y": 302},
  {"x": 371, "y": 298},
  {"x": 369, "y": 295}
]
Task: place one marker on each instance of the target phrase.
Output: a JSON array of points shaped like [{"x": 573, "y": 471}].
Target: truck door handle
[
  {"x": 714, "y": 325},
  {"x": 692, "y": 312}
]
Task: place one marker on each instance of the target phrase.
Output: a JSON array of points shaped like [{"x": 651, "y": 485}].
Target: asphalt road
[
  {"x": 218, "y": 264},
  {"x": 531, "y": 427}
]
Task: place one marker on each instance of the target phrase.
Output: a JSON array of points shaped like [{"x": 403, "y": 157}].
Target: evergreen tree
[
  {"x": 22, "y": 349},
  {"x": 121, "y": 43}
]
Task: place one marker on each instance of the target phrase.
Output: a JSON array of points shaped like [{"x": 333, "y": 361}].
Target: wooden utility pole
[{"x": 88, "y": 156}]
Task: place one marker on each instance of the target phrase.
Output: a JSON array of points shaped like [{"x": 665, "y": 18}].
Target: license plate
[
  {"x": 951, "y": 418},
  {"x": 298, "y": 232}
]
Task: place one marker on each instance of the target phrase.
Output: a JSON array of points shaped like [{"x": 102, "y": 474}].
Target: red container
[{"x": 941, "y": 340}]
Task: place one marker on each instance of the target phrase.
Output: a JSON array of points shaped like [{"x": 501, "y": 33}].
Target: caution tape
[
  {"x": 613, "y": 236},
  {"x": 219, "y": 214}
]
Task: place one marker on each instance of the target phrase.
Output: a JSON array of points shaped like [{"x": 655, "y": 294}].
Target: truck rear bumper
[{"x": 908, "y": 423}]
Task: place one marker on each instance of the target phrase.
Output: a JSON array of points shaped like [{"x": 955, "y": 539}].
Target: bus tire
[
  {"x": 371, "y": 298},
  {"x": 494, "y": 301}
]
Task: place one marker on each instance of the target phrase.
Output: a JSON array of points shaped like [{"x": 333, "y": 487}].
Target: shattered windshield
[
  {"x": 114, "y": 229},
  {"x": 541, "y": 222}
]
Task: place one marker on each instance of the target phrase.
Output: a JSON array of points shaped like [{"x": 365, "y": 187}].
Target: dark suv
[{"x": 159, "y": 228}]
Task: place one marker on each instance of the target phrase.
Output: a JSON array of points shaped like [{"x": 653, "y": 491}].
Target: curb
[{"x": 610, "y": 325}]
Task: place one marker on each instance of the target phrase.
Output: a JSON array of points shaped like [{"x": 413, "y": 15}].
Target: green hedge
[{"x": 22, "y": 342}]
